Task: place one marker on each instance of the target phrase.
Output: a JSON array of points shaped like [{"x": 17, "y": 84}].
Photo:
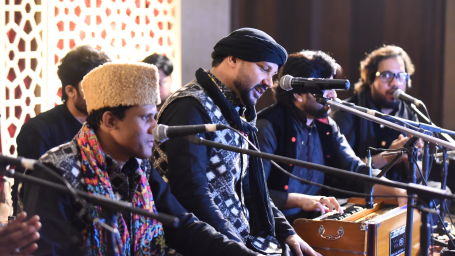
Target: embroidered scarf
[{"x": 145, "y": 235}]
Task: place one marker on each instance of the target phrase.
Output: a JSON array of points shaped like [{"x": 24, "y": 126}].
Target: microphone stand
[
  {"x": 426, "y": 166},
  {"x": 417, "y": 189},
  {"x": 427, "y": 138},
  {"x": 369, "y": 202},
  {"x": 111, "y": 205}
]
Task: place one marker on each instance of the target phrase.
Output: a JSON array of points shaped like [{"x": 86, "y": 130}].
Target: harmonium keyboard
[{"x": 361, "y": 231}]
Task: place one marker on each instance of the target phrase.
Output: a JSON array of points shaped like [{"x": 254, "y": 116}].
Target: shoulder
[
  {"x": 48, "y": 117},
  {"x": 65, "y": 157},
  {"x": 274, "y": 110}
]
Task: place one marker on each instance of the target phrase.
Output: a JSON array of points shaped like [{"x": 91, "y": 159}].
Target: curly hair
[
  {"x": 77, "y": 63},
  {"x": 369, "y": 65},
  {"x": 306, "y": 63}
]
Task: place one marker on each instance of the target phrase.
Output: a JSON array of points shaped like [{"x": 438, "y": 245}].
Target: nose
[
  {"x": 268, "y": 81},
  {"x": 397, "y": 83},
  {"x": 153, "y": 125}
]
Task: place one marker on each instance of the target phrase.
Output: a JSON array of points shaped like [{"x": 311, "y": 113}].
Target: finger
[
  {"x": 322, "y": 208},
  {"x": 20, "y": 237},
  {"x": 334, "y": 205},
  {"x": 34, "y": 222},
  {"x": 306, "y": 248},
  {"x": 20, "y": 217},
  {"x": 29, "y": 249},
  {"x": 296, "y": 249}
]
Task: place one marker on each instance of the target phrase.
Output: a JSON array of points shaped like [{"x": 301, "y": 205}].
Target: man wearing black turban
[{"x": 223, "y": 188}]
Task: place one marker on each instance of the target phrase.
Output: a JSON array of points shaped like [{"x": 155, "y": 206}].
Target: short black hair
[
  {"x": 217, "y": 58},
  {"x": 77, "y": 63},
  {"x": 162, "y": 62},
  {"x": 95, "y": 116},
  {"x": 306, "y": 63}
]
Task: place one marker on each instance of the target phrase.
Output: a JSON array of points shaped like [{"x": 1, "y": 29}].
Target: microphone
[
  {"x": 312, "y": 85},
  {"x": 399, "y": 94},
  {"x": 163, "y": 132},
  {"x": 24, "y": 162}
]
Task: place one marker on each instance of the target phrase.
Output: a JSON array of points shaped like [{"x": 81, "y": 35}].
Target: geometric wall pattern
[{"x": 36, "y": 34}]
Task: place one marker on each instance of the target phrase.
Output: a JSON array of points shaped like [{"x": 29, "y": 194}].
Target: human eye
[
  {"x": 147, "y": 117},
  {"x": 387, "y": 74},
  {"x": 403, "y": 76},
  {"x": 264, "y": 68}
]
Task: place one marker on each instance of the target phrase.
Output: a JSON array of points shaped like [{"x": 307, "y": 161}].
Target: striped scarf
[{"x": 145, "y": 235}]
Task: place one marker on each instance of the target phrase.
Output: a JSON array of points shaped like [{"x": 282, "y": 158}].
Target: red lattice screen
[{"x": 35, "y": 34}]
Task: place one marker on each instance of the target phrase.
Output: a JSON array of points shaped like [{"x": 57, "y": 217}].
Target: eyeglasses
[{"x": 388, "y": 76}]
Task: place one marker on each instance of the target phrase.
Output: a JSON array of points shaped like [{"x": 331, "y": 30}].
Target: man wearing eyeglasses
[{"x": 383, "y": 71}]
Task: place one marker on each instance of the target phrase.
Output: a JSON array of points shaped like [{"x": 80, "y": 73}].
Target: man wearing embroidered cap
[
  {"x": 108, "y": 157},
  {"x": 223, "y": 188}
]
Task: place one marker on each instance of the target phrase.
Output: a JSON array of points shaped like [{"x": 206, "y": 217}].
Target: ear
[
  {"x": 298, "y": 97},
  {"x": 71, "y": 91},
  {"x": 109, "y": 121},
  {"x": 231, "y": 60}
]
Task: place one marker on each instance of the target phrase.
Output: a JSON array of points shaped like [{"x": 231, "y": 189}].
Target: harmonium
[{"x": 361, "y": 231}]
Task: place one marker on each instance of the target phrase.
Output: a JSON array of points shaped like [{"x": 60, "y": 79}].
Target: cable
[{"x": 357, "y": 194}]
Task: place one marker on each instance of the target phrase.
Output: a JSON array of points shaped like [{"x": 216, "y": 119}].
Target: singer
[
  {"x": 227, "y": 189},
  {"x": 382, "y": 72},
  {"x": 297, "y": 126},
  {"x": 109, "y": 157}
]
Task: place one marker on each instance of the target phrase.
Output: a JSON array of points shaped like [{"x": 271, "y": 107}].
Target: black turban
[{"x": 252, "y": 45}]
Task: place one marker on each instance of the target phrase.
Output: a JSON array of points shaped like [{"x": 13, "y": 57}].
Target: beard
[
  {"x": 317, "y": 110},
  {"x": 80, "y": 105},
  {"x": 249, "y": 97},
  {"x": 381, "y": 102}
]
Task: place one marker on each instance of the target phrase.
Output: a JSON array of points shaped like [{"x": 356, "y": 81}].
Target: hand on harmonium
[{"x": 319, "y": 203}]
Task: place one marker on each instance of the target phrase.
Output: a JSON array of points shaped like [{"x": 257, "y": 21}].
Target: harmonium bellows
[{"x": 360, "y": 231}]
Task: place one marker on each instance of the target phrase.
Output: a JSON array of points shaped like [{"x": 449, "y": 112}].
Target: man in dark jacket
[
  {"x": 223, "y": 188},
  {"x": 59, "y": 125},
  {"x": 109, "y": 157},
  {"x": 297, "y": 126},
  {"x": 382, "y": 72}
]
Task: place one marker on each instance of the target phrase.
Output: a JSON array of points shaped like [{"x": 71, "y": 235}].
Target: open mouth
[{"x": 260, "y": 89}]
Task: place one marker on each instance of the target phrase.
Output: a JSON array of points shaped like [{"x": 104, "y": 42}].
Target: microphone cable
[{"x": 339, "y": 190}]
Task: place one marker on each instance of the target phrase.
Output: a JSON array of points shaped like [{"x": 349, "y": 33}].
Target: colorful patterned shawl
[{"x": 145, "y": 235}]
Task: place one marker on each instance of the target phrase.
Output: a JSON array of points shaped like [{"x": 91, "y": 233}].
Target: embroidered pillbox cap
[{"x": 121, "y": 84}]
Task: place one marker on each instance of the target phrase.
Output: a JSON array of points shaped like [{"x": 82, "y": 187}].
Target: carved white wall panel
[{"x": 36, "y": 34}]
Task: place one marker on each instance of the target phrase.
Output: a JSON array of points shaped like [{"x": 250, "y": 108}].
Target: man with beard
[
  {"x": 383, "y": 71},
  {"x": 59, "y": 124},
  {"x": 297, "y": 126},
  {"x": 223, "y": 188}
]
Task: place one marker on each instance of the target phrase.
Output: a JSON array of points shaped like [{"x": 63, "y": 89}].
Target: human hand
[
  {"x": 318, "y": 203},
  {"x": 18, "y": 236},
  {"x": 300, "y": 247}
]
